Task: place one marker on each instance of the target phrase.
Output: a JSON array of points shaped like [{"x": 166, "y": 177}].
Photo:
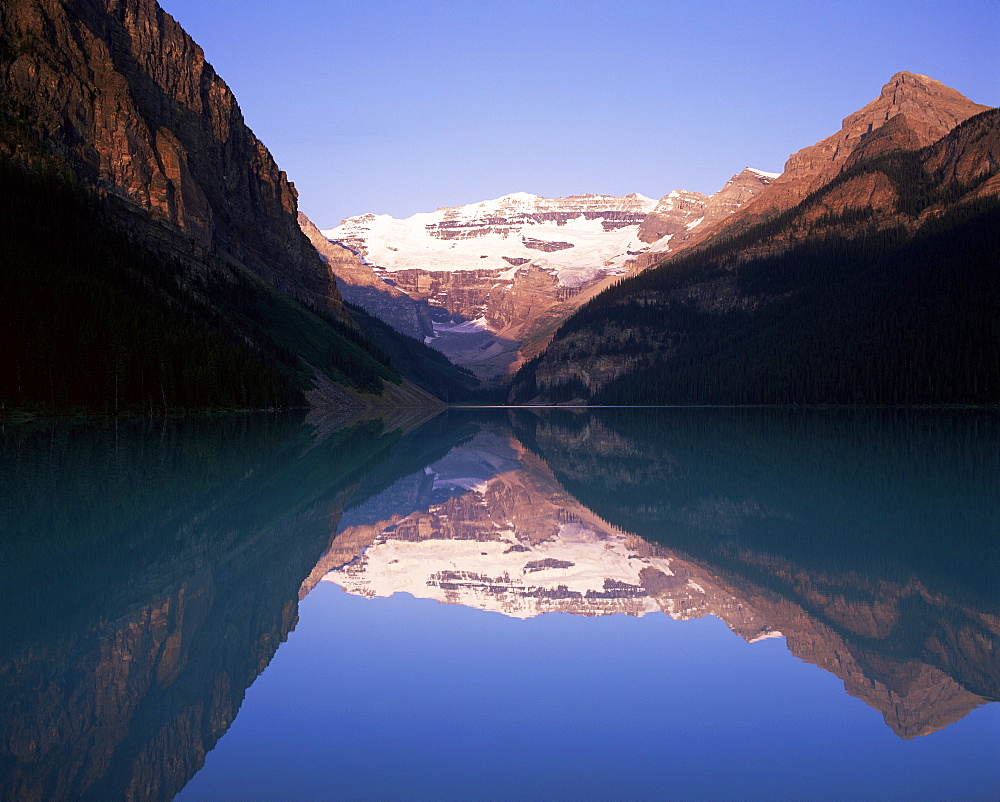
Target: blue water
[
  {"x": 402, "y": 698},
  {"x": 214, "y": 608}
]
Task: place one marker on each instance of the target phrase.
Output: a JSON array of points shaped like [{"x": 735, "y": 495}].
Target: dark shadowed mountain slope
[
  {"x": 150, "y": 247},
  {"x": 101, "y": 323},
  {"x": 422, "y": 365}
]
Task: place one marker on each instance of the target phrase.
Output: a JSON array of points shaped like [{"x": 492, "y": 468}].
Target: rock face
[
  {"x": 683, "y": 217},
  {"x": 968, "y": 155},
  {"x": 685, "y": 214},
  {"x": 359, "y": 285},
  {"x": 498, "y": 276},
  {"x": 124, "y": 94}
]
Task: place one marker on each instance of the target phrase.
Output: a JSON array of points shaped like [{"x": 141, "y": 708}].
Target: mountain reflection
[
  {"x": 867, "y": 541},
  {"x": 152, "y": 569}
]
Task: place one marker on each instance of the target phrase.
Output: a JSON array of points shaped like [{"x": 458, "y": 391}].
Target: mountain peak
[
  {"x": 911, "y": 112},
  {"x": 914, "y": 84},
  {"x": 911, "y": 78},
  {"x": 931, "y": 108}
]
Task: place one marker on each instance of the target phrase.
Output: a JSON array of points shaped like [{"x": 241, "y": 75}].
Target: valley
[
  {"x": 561, "y": 298},
  {"x": 490, "y": 281}
]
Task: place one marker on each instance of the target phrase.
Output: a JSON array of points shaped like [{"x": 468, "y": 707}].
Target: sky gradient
[{"x": 401, "y": 107}]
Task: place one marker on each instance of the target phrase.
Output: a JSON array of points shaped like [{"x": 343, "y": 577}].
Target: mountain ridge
[
  {"x": 911, "y": 112},
  {"x": 779, "y": 307},
  {"x": 126, "y": 96},
  {"x": 492, "y": 324}
]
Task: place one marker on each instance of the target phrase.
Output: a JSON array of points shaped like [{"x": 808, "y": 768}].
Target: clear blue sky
[{"x": 400, "y": 107}]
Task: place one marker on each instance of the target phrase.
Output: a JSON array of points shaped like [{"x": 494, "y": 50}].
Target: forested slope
[
  {"x": 878, "y": 288},
  {"x": 99, "y": 322}
]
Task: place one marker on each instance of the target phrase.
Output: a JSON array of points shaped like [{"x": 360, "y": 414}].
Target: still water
[{"x": 549, "y": 604}]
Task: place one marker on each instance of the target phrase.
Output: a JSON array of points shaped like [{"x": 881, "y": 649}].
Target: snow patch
[
  {"x": 773, "y": 633},
  {"x": 465, "y": 327}
]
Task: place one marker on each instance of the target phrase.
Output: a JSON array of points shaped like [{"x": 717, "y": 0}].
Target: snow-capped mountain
[
  {"x": 576, "y": 239},
  {"x": 497, "y": 276}
]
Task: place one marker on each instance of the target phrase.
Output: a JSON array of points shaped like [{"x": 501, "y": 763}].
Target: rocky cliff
[
  {"x": 684, "y": 217},
  {"x": 359, "y": 285},
  {"x": 123, "y": 94},
  {"x": 152, "y": 244},
  {"x": 911, "y": 112}
]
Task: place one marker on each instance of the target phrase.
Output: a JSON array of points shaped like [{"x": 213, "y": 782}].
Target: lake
[{"x": 503, "y": 604}]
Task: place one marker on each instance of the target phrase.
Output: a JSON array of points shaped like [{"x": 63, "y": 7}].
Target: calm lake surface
[{"x": 503, "y": 604}]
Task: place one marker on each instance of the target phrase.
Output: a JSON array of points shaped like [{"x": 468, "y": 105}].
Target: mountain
[
  {"x": 151, "y": 243},
  {"x": 911, "y": 112},
  {"x": 129, "y": 98},
  {"x": 493, "y": 279},
  {"x": 420, "y": 364},
  {"x": 661, "y": 227},
  {"x": 864, "y": 274}
]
